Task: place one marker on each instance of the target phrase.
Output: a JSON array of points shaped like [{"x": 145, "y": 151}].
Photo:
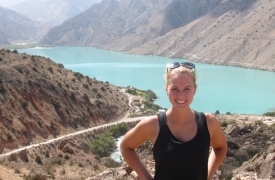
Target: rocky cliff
[
  {"x": 52, "y": 12},
  {"x": 17, "y": 27},
  {"x": 40, "y": 99}
]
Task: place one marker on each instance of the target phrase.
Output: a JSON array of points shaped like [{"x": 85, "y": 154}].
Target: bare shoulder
[
  {"x": 212, "y": 123},
  {"x": 150, "y": 122}
]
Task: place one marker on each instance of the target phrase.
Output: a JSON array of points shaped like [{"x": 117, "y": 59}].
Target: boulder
[
  {"x": 244, "y": 129},
  {"x": 64, "y": 142},
  {"x": 67, "y": 149},
  {"x": 23, "y": 154},
  {"x": 83, "y": 146},
  {"x": 230, "y": 143},
  {"x": 13, "y": 157},
  {"x": 232, "y": 130},
  {"x": 259, "y": 129}
]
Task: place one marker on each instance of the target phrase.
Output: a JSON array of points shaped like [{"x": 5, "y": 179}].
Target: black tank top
[{"x": 177, "y": 160}]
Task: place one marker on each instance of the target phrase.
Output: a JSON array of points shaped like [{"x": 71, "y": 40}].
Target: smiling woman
[{"x": 181, "y": 136}]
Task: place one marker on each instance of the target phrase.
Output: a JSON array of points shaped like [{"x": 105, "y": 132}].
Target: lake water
[
  {"x": 116, "y": 155},
  {"x": 223, "y": 88}
]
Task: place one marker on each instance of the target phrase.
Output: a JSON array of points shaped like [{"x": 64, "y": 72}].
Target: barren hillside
[
  {"x": 40, "y": 99},
  {"x": 237, "y": 33}
]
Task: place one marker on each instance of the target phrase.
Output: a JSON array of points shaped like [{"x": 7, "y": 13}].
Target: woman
[{"x": 181, "y": 136}]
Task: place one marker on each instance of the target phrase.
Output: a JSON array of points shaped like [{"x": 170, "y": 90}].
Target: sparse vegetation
[
  {"x": 38, "y": 160},
  {"x": 50, "y": 69},
  {"x": 24, "y": 103},
  {"x": 252, "y": 151},
  {"x": 103, "y": 145},
  {"x": 269, "y": 114}
]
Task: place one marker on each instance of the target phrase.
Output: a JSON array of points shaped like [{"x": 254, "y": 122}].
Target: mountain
[
  {"x": 52, "y": 12},
  {"x": 177, "y": 14},
  {"x": 17, "y": 27},
  {"x": 3, "y": 39},
  {"x": 41, "y": 99},
  {"x": 6, "y": 3},
  {"x": 104, "y": 22},
  {"x": 237, "y": 33}
]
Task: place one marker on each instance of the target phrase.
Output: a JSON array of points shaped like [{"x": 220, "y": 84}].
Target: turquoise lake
[{"x": 223, "y": 88}]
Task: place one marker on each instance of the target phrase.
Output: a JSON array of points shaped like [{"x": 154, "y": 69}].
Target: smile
[{"x": 180, "y": 102}]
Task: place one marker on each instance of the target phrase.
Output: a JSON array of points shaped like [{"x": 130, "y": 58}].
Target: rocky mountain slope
[
  {"x": 238, "y": 33},
  {"x": 17, "y": 27},
  {"x": 104, "y": 23},
  {"x": 52, "y": 12},
  {"x": 3, "y": 39},
  {"x": 40, "y": 99}
]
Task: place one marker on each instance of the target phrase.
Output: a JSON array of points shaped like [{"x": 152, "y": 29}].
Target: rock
[
  {"x": 64, "y": 142},
  {"x": 272, "y": 139},
  {"x": 134, "y": 176},
  {"x": 231, "y": 161},
  {"x": 23, "y": 154},
  {"x": 230, "y": 143},
  {"x": 244, "y": 129},
  {"x": 262, "y": 163},
  {"x": 269, "y": 142},
  {"x": 232, "y": 130},
  {"x": 128, "y": 170},
  {"x": 13, "y": 157},
  {"x": 67, "y": 148},
  {"x": 259, "y": 129},
  {"x": 83, "y": 146}
]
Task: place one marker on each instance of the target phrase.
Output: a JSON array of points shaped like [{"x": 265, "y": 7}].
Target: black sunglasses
[{"x": 174, "y": 65}]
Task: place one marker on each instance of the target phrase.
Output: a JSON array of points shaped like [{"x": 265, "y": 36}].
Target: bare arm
[
  {"x": 218, "y": 143},
  {"x": 146, "y": 129}
]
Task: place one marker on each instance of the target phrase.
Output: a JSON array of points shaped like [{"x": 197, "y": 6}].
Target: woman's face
[{"x": 181, "y": 90}]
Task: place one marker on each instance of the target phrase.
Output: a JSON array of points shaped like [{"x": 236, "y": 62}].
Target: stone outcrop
[
  {"x": 262, "y": 163},
  {"x": 23, "y": 155},
  {"x": 232, "y": 130}
]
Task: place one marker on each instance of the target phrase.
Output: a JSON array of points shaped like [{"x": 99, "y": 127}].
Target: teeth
[{"x": 181, "y": 101}]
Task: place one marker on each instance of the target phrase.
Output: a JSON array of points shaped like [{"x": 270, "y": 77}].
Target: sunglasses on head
[{"x": 174, "y": 65}]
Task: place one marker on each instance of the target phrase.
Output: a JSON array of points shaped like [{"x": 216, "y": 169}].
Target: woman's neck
[{"x": 180, "y": 115}]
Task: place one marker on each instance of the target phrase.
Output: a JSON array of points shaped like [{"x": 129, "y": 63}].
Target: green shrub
[
  {"x": 30, "y": 82},
  {"x": 98, "y": 102},
  {"x": 232, "y": 122},
  {"x": 224, "y": 124},
  {"x": 1, "y": 80},
  {"x": 34, "y": 177},
  {"x": 240, "y": 158},
  {"x": 252, "y": 151},
  {"x": 95, "y": 90},
  {"x": 65, "y": 93},
  {"x": 0, "y": 110},
  {"x": 98, "y": 95},
  {"x": 24, "y": 103},
  {"x": 103, "y": 89},
  {"x": 56, "y": 103},
  {"x": 86, "y": 86},
  {"x": 217, "y": 112},
  {"x": 15, "y": 51},
  {"x": 104, "y": 145},
  {"x": 72, "y": 95},
  {"x": 85, "y": 96},
  {"x": 150, "y": 105},
  {"x": 118, "y": 129},
  {"x": 59, "y": 70},
  {"x": 38, "y": 160},
  {"x": 78, "y": 75},
  {"x": 110, "y": 163},
  {"x": 34, "y": 69},
  {"x": 8, "y": 135},
  {"x": 228, "y": 113},
  {"x": 269, "y": 114},
  {"x": 50, "y": 69},
  {"x": 2, "y": 89},
  {"x": 19, "y": 69},
  {"x": 60, "y": 65}
]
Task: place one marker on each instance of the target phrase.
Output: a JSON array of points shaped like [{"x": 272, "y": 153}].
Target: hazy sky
[{"x": 6, "y": 3}]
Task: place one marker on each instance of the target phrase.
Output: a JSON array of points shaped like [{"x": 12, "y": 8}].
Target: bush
[
  {"x": 24, "y": 103},
  {"x": 110, "y": 163},
  {"x": 104, "y": 145},
  {"x": 98, "y": 102},
  {"x": 38, "y": 160},
  {"x": 50, "y": 69},
  {"x": 1, "y": 80},
  {"x": 103, "y": 89},
  {"x": 119, "y": 129},
  {"x": 72, "y": 95},
  {"x": 34, "y": 177},
  {"x": 86, "y": 86},
  {"x": 98, "y": 95},
  {"x": 34, "y": 69},
  {"x": 8, "y": 136},
  {"x": 1, "y": 59},
  {"x": 2, "y": 89},
  {"x": 15, "y": 51},
  {"x": 228, "y": 113},
  {"x": 217, "y": 112},
  {"x": 73, "y": 79},
  {"x": 85, "y": 96},
  {"x": 30, "y": 82},
  {"x": 224, "y": 124},
  {"x": 252, "y": 151},
  {"x": 78, "y": 75},
  {"x": 60, "y": 65},
  {"x": 56, "y": 103},
  {"x": 19, "y": 69},
  {"x": 0, "y": 110},
  {"x": 269, "y": 114},
  {"x": 95, "y": 90},
  {"x": 240, "y": 158}
]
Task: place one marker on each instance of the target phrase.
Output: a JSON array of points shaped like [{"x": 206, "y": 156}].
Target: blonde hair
[{"x": 179, "y": 70}]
